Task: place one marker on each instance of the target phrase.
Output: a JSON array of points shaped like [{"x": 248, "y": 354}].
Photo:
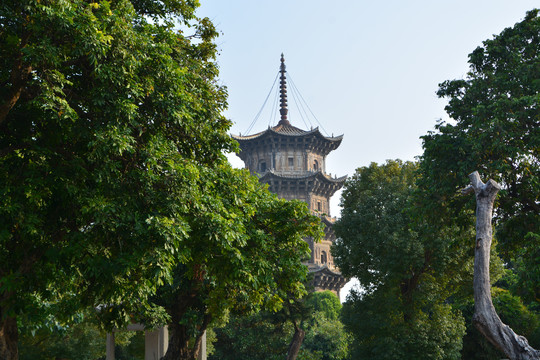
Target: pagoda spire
[{"x": 283, "y": 94}]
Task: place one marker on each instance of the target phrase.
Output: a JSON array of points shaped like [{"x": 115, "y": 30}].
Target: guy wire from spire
[
  {"x": 262, "y": 107},
  {"x": 295, "y": 90}
]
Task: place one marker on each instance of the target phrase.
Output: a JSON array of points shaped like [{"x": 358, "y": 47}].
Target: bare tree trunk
[
  {"x": 485, "y": 317},
  {"x": 8, "y": 338},
  {"x": 296, "y": 342}
]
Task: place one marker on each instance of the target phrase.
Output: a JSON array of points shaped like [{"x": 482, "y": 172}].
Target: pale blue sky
[{"x": 368, "y": 70}]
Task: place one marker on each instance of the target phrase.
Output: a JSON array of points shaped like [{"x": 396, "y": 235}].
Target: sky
[{"x": 367, "y": 69}]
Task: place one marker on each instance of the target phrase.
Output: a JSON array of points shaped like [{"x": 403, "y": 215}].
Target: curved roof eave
[
  {"x": 325, "y": 269},
  {"x": 318, "y": 174},
  {"x": 287, "y": 131}
]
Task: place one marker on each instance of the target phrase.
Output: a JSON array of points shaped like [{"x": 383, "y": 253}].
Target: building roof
[
  {"x": 316, "y": 181},
  {"x": 312, "y": 175},
  {"x": 286, "y": 129},
  {"x": 325, "y": 278}
]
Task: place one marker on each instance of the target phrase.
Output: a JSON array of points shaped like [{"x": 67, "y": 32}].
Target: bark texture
[
  {"x": 180, "y": 347},
  {"x": 20, "y": 73},
  {"x": 9, "y": 336},
  {"x": 485, "y": 317},
  {"x": 296, "y": 343}
]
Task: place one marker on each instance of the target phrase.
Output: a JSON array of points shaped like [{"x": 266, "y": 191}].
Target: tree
[
  {"x": 400, "y": 261},
  {"x": 325, "y": 336},
  {"x": 495, "y": 130},
  {"x": 244, "y": 253},
  {"x": 485, "y": 317},
  {"x": 107, "y": 118}
]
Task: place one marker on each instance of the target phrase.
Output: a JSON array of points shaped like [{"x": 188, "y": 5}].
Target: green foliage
[
  {"x": 252, "y": 338},
  {"x": 401, "y": 263},
  {"x": 526, "y": 269},
  {"x": 326, "y": 339},
  {"x": 267, "y": 335},
  {"x": 496, "y": 131},
  {"x": 373, "y": 225},
  {"x": 245, "y": 251},
  {"x": 101, "y": 146},
  {"x": 382, "y": 330},
  {"x": 326, "y": 303},
  {"x": 512, "y": 312},
  {"x": 114, "y": 188},
  {"x": 81, "y": 340}
]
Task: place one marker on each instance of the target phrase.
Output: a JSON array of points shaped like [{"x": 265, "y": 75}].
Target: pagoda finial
[{"x": 283, "y": 94}]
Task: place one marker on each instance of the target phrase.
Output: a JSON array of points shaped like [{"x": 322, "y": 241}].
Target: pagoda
[{"x": 292, "y": 162}]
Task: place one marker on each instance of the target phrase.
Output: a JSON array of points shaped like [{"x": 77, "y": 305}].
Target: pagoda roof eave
[
  {"x": 325, "y": 270},
  {"x": 314, "y": 175},
  {"x": 287, "y": 131}
]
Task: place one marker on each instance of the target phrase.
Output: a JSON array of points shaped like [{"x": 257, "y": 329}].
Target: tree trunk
[
  {"x": 178, "y": 344},
  {"x": 485, "y": 317},
  {"x": 296, "y": 342},
  {"x": 179, "y": 338},
  {"x": 9, "y": 336},
  {"x": 19, "y": 76}
]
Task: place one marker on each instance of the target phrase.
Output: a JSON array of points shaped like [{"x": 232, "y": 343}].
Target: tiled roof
[
  {"x": 287, "y": 130},
  {"x": 315, "y": 174}
]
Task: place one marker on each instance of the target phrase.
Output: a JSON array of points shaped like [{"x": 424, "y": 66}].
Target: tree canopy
[
  {"x": 402, "y": 310},
  {"x": 495, "y": 130},
  {"x": 325, "y": 336},
  {"x": 113, "y": 178}
]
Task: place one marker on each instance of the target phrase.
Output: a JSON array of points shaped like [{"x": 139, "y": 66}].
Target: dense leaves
[
  {"x": 402, "y": 311},
  {"x": 101, "y": 146},
  {"x": 266, "y": 335},
  {"x": 245, "y": 251},
  {"x": 113, "y": 178},
  {"x": 495, "y": 130}
]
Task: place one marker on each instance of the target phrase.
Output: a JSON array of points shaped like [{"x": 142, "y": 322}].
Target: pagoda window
[
  {"x": 319, "y": 207},
  {"x": 291, "y": 162},
  {"x": 315, "y": 165},
  {"x": 324, "y": 257},
  {"x": 262, "y": 166}
]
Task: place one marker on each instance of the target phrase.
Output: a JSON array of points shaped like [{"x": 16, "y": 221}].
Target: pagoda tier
[
  {"x": 288, "y": 136},
  {"x": 326, "y": 279},
  {"x": 312, "y": 182}
]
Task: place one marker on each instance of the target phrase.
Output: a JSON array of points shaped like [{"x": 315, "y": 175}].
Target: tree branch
[{"x": 19, "y": 77}]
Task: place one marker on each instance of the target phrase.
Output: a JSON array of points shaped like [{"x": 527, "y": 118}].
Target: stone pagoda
[{"x": 292, "y": 162}]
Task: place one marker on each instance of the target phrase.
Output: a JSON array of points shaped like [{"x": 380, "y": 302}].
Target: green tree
[
  {"x": 108, "y": 118},
  {"x": 82, "y": 340},
  {"x": 402, "y": 311},
  {"x": 495, "y": 130},
  {"x": 244, "y": 254},
  {"x": 326, "y": 337},
  {"x": 267, "y": 335}
]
